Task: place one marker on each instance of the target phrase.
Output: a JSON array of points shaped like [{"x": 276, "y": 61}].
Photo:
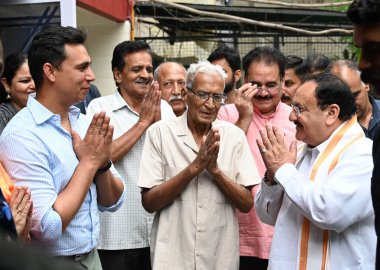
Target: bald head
[
  {"x": 171, "y": 77},
  {"x": 349, "y": 73}
]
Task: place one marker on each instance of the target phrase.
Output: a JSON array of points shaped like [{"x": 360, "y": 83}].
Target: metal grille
[{"x": 197, "y": 48}]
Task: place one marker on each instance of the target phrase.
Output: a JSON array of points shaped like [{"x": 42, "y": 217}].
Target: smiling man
[
  {"x": 319, "y": 198},
  {"x": 258, "y": 103},
  {"x": 135, "y": 105},
  {"x": 50, "y": 147},
  {"x": 195, "y": 176}
]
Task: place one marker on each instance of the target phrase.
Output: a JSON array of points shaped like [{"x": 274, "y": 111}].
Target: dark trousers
[
  {"x": 253, "y": 263},
  {"x": 127, "y": 259}
]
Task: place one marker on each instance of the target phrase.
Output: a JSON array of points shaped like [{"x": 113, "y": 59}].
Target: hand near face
[
  {"x": 151, "y": 106},
  {"x": 95, "y": 148},
  {"x": 206, "y": 155},
  {"x": 274, "y": 151},
  {"x": 22, "y": 209},
  {"x": 243, "y": 101}
]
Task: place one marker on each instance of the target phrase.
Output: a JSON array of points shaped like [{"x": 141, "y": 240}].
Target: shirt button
[
  {"x": 197, "y": 253},
  {"x": 200, "y": 206}
]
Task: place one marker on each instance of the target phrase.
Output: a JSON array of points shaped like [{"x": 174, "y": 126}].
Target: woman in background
[{"x": 18, "y": 84}]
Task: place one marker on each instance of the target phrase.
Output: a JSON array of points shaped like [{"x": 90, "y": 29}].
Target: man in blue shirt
[{"x": 62, "y": 156}]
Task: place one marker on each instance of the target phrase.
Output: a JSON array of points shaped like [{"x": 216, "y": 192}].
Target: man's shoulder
[
  {"x": 23, "y": 120},
  {"x": 102, "y": 100}
]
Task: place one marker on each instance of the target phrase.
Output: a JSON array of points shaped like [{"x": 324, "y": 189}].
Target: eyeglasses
[
  {"x": 217, "y": 98},
  {"x": 299, "y": 110},
  {"x": 269, "y": 88}
]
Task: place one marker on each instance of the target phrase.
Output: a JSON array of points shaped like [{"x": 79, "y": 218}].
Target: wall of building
[{"x": 103, "y": 36}]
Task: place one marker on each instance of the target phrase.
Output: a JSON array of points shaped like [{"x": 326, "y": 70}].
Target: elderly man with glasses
[
  {"x": 258, "y": 103},
  {"x": 318, "y": 198},
  {"x": 195, "y": 171}
]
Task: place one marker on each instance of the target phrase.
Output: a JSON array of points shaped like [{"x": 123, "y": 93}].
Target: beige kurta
[{"x": 199, "y": 230}]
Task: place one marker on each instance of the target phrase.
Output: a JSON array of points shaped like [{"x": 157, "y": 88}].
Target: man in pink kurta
[{"x": 258, "y": 104}]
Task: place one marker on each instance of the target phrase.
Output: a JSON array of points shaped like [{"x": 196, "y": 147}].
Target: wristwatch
[
  {"x": 105, "y": 168},
  {"x": 266, "y": 180}
]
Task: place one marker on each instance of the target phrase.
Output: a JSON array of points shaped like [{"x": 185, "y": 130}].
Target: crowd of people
[{"x": 264, "y": 162}]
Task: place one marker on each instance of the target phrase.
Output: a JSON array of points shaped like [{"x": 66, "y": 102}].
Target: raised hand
[
  {"x": 207, "y": 149},
  {"x": 212, "y": 166},
  {"x": 95, "y": 148},
  {"x": 274, "y": 151},
  {"x": 243, "y": 101},
  {"x": 151, "y": 106}
]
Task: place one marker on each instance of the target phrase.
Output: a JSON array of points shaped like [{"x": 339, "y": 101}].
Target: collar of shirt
[
  {"x": 41, "y": 114},
  {"x": 118, "y": 103}
]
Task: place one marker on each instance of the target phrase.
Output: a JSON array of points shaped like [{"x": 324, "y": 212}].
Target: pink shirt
[{"x": 255, "y": 236}]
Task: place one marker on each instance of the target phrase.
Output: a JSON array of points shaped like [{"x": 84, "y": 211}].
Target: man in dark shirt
[{"x": 365, "y": 15}]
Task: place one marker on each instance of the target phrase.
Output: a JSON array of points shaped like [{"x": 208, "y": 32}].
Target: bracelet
[{"x": 105, "y": 168}]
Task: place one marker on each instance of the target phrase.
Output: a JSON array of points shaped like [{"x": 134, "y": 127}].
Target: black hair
[
  {"x": 268, "y": 55},
  {"x": 313, "y": 63},
  {"x": 364, "y": 12},
  {"x": 124, "y": 48},
  {"x": 331, "y": 90},
  {"x": 48, "y": 46},
  {"x": 230, "y": 54},
  {"x": 293, "y": 61},
  {"x": 12, "y": 63}
]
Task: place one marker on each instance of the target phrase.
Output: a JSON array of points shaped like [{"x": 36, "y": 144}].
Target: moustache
[
  {"x": 141, "y": 80},
  {"x": 262, "y": 98},
  {"x": 172, "y": 98}
]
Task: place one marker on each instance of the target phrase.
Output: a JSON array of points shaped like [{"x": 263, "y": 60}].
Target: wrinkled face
[
  {"x": 291, "y": 84},
  {"x": 202, "y": 112},
  {"x": 267, "y": 76},
  {"x": 310, "y": 124},
  {"x": 136, "y": 77},
  {"x": 368, "y": 39},
  {"x": 76, "y": 66},
  {"x": 357, "y": 87},
  {"x": 230, "y": 83},
  {"x": 21, "y": 86},
  {"x": 172, "y": 81}
]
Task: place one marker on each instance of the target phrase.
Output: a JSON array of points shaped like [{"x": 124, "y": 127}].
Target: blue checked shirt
[{"x": 37, "y": 152}]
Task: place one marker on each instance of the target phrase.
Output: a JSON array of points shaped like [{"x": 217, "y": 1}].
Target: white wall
[{"x": 103, "y": 36}]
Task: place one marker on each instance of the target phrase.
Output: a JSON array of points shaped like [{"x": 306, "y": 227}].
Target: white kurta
[
  {"x": 199, "y": 230},
  {"x": 339, "y": 202}
]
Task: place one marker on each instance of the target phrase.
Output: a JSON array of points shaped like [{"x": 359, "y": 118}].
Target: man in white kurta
[
  {"x": 198, "y": 228},
  {"x": 320, "y": 205}
]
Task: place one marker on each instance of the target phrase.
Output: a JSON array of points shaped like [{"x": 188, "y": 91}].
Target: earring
[{"x": 8, "y": 95}]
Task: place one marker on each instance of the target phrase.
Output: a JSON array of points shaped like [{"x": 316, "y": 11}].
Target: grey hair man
[
  {"x": 195, "y": 177},
  {"x": 171, "y": 78}
]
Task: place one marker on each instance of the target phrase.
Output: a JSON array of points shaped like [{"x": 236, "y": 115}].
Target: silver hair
[
  {"x": 156, "y": 73},
  {"x": 204, "y": 67}
]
